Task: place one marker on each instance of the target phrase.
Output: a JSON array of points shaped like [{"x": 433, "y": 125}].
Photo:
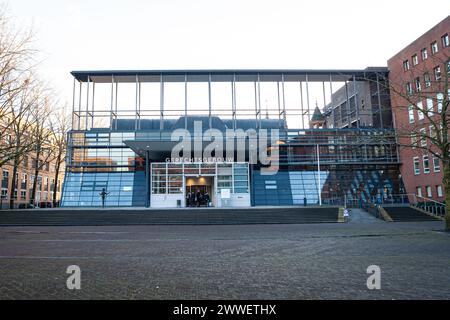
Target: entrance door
[{"x": 202, "y": 186}]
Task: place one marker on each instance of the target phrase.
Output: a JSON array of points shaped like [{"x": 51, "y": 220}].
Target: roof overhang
[{"x": 239, "y": 75}]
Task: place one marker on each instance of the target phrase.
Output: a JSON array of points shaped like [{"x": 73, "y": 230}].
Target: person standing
[
  {"x": 207, "y": 198},
  {"x": 192, "y": 200},
  {"x": 198, "y": 198},
  {"x": 188, "y": 199},
  {"x": 103, "y": 195},
  {"x": 346, "y": 214}
]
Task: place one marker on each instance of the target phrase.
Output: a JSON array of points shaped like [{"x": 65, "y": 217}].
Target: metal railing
[{"x": 431, "y": 206}]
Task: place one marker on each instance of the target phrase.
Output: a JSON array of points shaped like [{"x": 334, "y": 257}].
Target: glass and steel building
[{"x": 127, "y": 124}]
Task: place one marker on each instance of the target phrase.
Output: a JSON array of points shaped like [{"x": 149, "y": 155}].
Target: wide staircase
[
  {"x": 408, "y": 214},
  {"x": 201, "y": 216}
]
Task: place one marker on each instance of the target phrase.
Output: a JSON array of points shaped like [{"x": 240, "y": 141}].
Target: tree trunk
[
  {"x": 36, "y": 173},
  {"x": 14, "y": 182},
  {"x": 55, "y": 186},
  {"x": 446, "y": 182}
]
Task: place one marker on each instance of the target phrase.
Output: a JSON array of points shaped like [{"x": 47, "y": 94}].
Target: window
[
  {"x": 434, "y": 47},
  {"x": 240, "y": 178},
  {"x": 420, "y": 110},
  {"x": 418, "y": 85},
  {"x": 23, "y": 195},
  {"x": 5, "y": 175},
  {"x": 440, "y": 99},
  {"x": 436, "y": 164},
  {"x": 415, "y": 60},
  {"x": 432, "y": 132},
  {"x": 424, "y": 53},
  {"x": 423, "y": 137},
  {"x": 411, "y": 114},
  {"x": 419, "y": 192},
  {"x": 414, "y": 140},
  {"x": 445, "y": 42},
  {"x": 429, "y": 194},
  {"x": 25, "y": 161},
  {"x": 430, "y": 106},
  {"x": 406, "y": 65},
  {"x": 437, "y": 73},
  {"x": 416, "y": 166},
  {"x": 439, "y": 191},
  {"x": 427, "y": 80},
  {"x": 426, "y": 164},
  {"x": 409, "y": 89},
  {"x": 4, "y": 193}
]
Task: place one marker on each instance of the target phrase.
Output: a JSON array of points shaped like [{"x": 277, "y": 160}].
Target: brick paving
[{"x": 308, "y": 261}]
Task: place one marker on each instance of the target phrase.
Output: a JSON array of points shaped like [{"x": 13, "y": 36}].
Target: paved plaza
[{"x": 279, "y": 261}]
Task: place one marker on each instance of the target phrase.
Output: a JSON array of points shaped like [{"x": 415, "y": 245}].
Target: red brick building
[{"x": 418, "y": 71}]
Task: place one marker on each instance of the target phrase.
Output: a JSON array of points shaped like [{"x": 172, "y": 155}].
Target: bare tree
[
  {"x": 59, "y": 126},
  {"x": 42, "y": 146},
  {"x": 21, "y": 140},
  {"x": 424, "y": 94},
  {"x": 16, "y": 64}
]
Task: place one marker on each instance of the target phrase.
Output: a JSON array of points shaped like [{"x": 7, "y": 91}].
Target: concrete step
[
  {"x": 408, "y": 214},
  {"x": 160, "y": 217}
]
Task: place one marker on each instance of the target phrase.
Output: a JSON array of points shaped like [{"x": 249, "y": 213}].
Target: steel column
[{"x": 147, "y": 179}]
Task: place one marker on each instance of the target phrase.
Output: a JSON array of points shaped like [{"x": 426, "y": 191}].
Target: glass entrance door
[{"x": 199, "y": 192}]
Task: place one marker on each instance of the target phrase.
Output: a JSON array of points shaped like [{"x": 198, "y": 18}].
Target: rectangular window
[
  {"x": 423, "y": 137},
  {"x": 432, "y": 132},
  {"x": 437, "y": 73},
  {"x": 415, "y": 60},
  {"x": 25, "y": 162},
  {"x": 23, "y": 195},
  {"x": 440, "y": 100},
  {"x": 416, "y": 166},
  {"x": 445, "y": 42},
  {"x": 411, "y": 114},
  {"x": 414, "y": 140},
  {"x": 409, "y": 88},
  {"x": 419, "y": 192},
  {"x": 429, "y": 194},
  {"x": 406, "y": 65},
  {"x": 426, "y": 164},
  {"x": 420, "y": 110},
  {"x": 5, "y": 175},
  {"x": 439, "y": 191},
  {"x": 418, "y": 85},
  {"x": 424, "y": 53},
  {"x": 436, "y": 164},
  {"x": 434, "y": 47},
  {"x": 427, "y": 80},
  {"x": 430, "y": 106}
]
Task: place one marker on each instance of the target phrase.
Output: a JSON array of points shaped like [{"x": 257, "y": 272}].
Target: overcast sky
[{"x": 202, "y": 34}]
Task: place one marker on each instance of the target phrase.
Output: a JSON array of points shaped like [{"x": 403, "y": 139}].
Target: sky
[{"x": 231, "y": 34}]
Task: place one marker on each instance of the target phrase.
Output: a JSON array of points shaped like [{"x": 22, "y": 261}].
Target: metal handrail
[{"x": 436, "y": 208}]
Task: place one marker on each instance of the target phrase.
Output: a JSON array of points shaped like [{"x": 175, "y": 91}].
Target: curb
[{"x": 385, "y": 215}]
